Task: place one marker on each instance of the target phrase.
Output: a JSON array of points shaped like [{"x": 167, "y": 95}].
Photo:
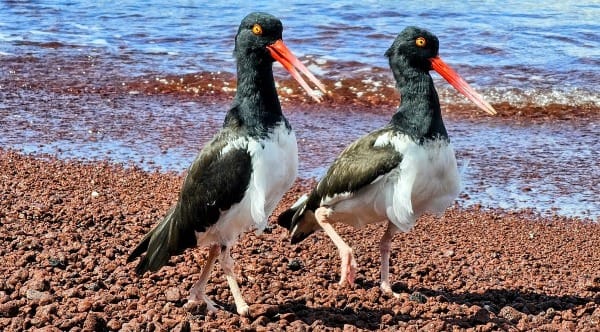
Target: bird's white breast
[
  {"x": 427, "y": 180},
  {"x": 275, "y": 163},
  {"x": 274, "y": 169}
]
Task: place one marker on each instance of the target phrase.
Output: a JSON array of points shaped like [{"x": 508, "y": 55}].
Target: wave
[{"x": 348, "y": 83}]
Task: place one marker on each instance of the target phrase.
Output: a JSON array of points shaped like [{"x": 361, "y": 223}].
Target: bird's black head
[
  {"x": 256, "y": 32},
  {"x": 258, "y": 43},
  {"x": 413, "y": 54},
  {"x": 415, "y": 46}
]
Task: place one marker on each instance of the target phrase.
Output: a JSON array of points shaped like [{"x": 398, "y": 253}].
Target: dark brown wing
[
  {"x": 216, "y": 180},
  {"x": 357, "y": 166}
]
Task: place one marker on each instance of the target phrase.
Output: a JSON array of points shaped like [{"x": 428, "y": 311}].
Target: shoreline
[
  {"x": 377, "y": 96},
  {"x": 470, "y": 269}
]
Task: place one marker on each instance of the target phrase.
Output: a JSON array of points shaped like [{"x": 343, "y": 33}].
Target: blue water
[
  {"x": 528, "y": 45},
  {"x": 56, "y": 58}
]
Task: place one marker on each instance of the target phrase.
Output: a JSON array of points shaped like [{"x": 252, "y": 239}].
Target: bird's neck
[
  {"x": 256, "y": 105},
  {"x": 419, "y": 114}
]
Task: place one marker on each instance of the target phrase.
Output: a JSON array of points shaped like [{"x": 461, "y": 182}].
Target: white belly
[
  {"x": 275, "y": 166},
  {"x": 427, "y": 180}
]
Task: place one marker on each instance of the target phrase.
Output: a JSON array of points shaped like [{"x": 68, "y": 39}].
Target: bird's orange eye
[
  {"x": 421, "y": 42},
  {"x": 257, "y": 29}
]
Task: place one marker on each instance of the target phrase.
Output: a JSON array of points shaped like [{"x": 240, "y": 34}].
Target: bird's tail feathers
[
  {"x": 286, "y": 219},
  {"x": 304, "y": 225},
  {"x": 165, "y": 240},
  {"x": 299, "y": 220}
]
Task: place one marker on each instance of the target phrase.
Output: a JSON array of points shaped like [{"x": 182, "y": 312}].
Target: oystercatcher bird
[
  {"x": 238, "y": 178},
  {"x": 395, "y": 173}
]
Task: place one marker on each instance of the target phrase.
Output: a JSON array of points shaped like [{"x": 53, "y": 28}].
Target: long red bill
[
  {"x": 459, "y": 84},
  {"x": 288, "y": 60}
]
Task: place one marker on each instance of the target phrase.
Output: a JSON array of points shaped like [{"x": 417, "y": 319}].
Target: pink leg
[
  {"x": 198, "y": 291},
  {"x": 384, "y": 248},
  {"x": 227, "y": 265},
  {"x": 349, "y": 266}
]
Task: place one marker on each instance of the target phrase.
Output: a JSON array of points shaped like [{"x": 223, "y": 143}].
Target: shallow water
[
  {"x": 549, "y": 167},
  {"x": 148, "y": 83}
]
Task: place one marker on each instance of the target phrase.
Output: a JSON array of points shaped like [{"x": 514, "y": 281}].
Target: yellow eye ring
[
  {"x": 421, "y": 42},
  {"x": 257, "y": 29}
]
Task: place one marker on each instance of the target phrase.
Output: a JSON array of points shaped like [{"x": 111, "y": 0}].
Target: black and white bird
[
  {"x": 239, "y": 177},
  {"x": 395, "y": 173}
]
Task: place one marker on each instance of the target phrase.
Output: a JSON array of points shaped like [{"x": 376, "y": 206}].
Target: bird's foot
[
  {"x": 349, "y": 268},
  {"x": 243, "y": 310},
  {"x": 202, "y": 298},
  {"x": 386, "y": 288}
]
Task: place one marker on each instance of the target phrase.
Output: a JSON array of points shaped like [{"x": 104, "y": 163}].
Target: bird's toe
[
  {"x": 386, "y": 288},
  {"x": 243, "y": 310},
  {"x": 198, "y": 299}
]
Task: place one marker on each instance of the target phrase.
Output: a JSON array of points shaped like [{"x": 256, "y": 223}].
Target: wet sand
[{"x": 66, "y": 229}]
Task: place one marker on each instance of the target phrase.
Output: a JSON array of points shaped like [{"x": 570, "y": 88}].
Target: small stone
[
  {"x": 350, "y": 328},
  {"x": 260, "y": 321},
  {"x": 184, "y": 326},
  {"x": 70, "y": 323},
  {"x": 132, "y": 292},
  {"x": 130, "y": 327},
  {"x": 34, "y": 295},
  {"x": 93, "y": 322},
  {"x": 386, "y": 319},
  {"x": 568, "y": 325},
  {"x": 295, "y": 265},
  {"x": 269, "y": 310},
  {"x": 596, "y": 313},
  {"x": 195, "y": 308},
  {"x": 10, "y": 309},
  {"x": 44, "y": 313},
  {"x": 173, "y": 294},
  {"x": 299, "y": 326},
  {"x": 522, "y": 324},
  {"x": 72, "y": 292},
  {"x": 406, "y": 308},
  {"x": 169, "y": 323},
  {"x": 481, "y": 316},
  {"x": 113, "y": 325},
  {"x": 288, "y": 316},
  {"x": 84, "y": 305},
  {"x": 99, "y": 305},
  {"x": 57, "y": 262},
  {"x": 418, "y": 297},
  {"x": 510, "y": 314},
  {"x": 568, "y": 315},
  {"x": 550, "y": 312},
  {"x": 38, "y": 283}
]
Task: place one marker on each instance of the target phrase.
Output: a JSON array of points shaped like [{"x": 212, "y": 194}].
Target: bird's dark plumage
[
  {"x": 237, "y": 179},
  {"x": 214, "y": 182},
  {"x": 395, "y": 173}
]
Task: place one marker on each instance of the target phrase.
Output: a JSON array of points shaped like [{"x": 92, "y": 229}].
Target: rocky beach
[{"x": 66, "y": 228}]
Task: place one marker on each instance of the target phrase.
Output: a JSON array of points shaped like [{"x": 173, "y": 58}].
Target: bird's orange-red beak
[
  {"x": 283, "y": 55},
  {"x": 459, "y": 84}
]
